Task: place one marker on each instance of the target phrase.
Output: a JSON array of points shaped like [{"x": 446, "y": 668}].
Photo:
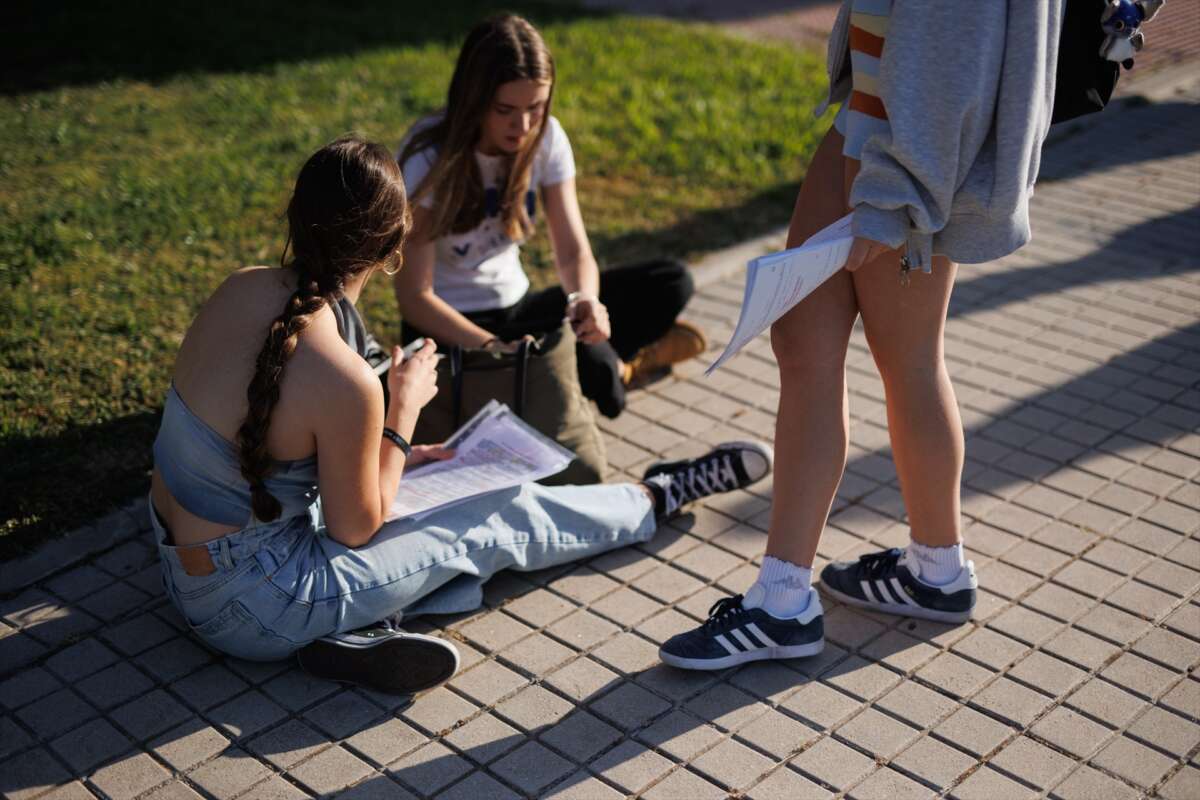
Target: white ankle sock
[
  {"x": 781, "y": 590},
  {"x": 938, "y": 565}
]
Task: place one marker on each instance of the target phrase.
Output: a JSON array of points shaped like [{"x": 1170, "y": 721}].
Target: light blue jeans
[{"x": 278, "y": 586}]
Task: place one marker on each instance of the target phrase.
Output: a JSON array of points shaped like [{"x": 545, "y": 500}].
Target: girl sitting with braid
[{"x": 278, "y": 458}]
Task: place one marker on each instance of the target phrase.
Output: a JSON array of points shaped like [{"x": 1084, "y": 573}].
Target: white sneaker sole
[
  {"x": 761, "y": 654},
  {"x": 900, "y": 610}
]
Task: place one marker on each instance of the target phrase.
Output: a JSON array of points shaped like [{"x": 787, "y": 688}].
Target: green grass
[{"x": 144, "y": 156}]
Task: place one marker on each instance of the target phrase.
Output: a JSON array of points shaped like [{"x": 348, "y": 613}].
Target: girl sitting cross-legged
[{"x": 278, "y": 458}]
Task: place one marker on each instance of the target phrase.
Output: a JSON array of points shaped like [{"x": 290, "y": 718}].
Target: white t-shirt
[{"x": 481, "y": 269}]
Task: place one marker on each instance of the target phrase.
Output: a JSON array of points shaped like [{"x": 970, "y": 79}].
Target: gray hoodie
[{"x": 969, "y": 88}]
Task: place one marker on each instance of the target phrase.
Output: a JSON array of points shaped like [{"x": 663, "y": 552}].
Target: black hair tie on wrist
[{"x": 398, "y": 440}]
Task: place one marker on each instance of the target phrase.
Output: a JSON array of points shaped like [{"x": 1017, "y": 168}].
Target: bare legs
[{"x": 904, "y": 327}]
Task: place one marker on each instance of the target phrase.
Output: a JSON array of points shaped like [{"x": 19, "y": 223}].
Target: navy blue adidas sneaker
[
  {"x": 734, "y": 634},
  {"x": 890, "y": 581}
]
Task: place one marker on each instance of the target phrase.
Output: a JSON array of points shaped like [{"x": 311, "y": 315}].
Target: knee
[
  {"x": 802, "y": 354},
  {"x": 915, "y": 369}
]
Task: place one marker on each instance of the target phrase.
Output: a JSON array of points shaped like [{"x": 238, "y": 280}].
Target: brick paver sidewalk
[{"x": 1077, "y": 363}]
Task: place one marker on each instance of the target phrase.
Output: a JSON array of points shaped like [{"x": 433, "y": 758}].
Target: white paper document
[
  {"x": 777, "y": 281},
  {"x": 495, "y": 450}
]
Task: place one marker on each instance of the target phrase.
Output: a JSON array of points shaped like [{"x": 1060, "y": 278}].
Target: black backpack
[{"x": 1084, "y": 79}]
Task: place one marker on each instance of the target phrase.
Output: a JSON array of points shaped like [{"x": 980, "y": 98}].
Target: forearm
[{"x": 578, "y": 272}]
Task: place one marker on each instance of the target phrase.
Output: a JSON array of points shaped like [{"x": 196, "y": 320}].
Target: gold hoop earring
[{"x": 398, "y": 261}]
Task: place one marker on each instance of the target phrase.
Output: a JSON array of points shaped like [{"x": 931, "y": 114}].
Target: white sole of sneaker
[
  {"x": 900, "y": 610},
  {"x": 762, "y": 654}
]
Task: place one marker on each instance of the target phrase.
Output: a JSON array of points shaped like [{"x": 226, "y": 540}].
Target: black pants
[{"x": 643, "y": 301}]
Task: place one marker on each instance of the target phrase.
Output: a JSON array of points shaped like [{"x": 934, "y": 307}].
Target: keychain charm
[{"x": 905, "y": 269}]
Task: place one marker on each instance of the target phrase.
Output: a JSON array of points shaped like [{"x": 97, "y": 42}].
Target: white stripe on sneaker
[
  {"x": 744, "y": 639},
  {"x": 721, "y": 640},
  {"x": 762, "y": 637},
  {"x": 903, "y": 595},
  {"x": 866, "y": 588},
  {"x": 881, "y": 588}
]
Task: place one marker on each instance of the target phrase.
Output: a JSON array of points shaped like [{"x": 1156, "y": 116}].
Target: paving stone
[
  {"x": 478, "y": 786},
  {"x": 26, "y": 686},
  {"x": 114, "y": 685},
  {"x": 582, "y": 630},
  {"x": 777, "y": 734},
  {"x": 189, "y": 744},
  {"x": 71, "y": 791},
  {"x": 1071, "y": 732},
  {"x": 1012, "y": 701},
  {"x": 1025, "y": 625},
  {"x": 1166, "y": 731},
  {"x": 1134, "y": 762},
  {"x": 1183, "y": 785},
  {"x": 877, "y": 733},
  {"x": 582, "y": 786},
  {"x": 887, "y": 784},
  {"x": 733, "y": 765},
  {"x": 275, "y": 788},
  {"x": 581, "y": 736},
  {"x": 247, "y": 714},
  {"x": 934, "y": 762},
  {"x": 1142, "y": 600},
  {"x": 149, "y": 714},
  {"x": 173, "y": 659},
  {"x": 18, "y": 650},
  {"x": 81, "y": 659},
  {"x": 90, "y": 745},
  {"x": 629, "y": 706},
  {"x": 822, "y": 706},
  {"x": 130, "y": 777},
  {"x": 1184, "y": 698},
  {"x": 680, "y": 784},
  {"x": 769, "y": 680},
  {"x": 330, "y": 771},
  {"x": 495, "y": 631},
  {"x": 631, "y": 766},
  {"x": 113, "y": 601},
  {"x": 385, "y": 741},
  {"x": 627, "y": 653},
  {"x": 834, "y": 763},
  {"x": 1032, "y": 762},
  {"x": 288, "y": 744},
  {"x": 784, "y": 784},
  {"x": 344, "y": 714},
  {"x": 988, "y": 784},
  {"x": 725, "y": 706},
  {"x": 680, "y": 735},
  {"x": 537, "y": 654},
  {"x": 229, "y": 774},
  {"x": 488, "y": 682},
  {"x": 954, "y": 675},
  {"x": 534, "y": 709},
  {"x": 1081, "y": 648},
  {"x": 1139, "y": 676},
  {"x": 12, "y": 738},
  {"x": 430, "y": 768},
  {"x": 861, "y": 678},
  {"x": 31, "y": 774},
  {"x": 208, "y": 687},
  {"x": 295, "y": 690},
  {"x": 1058, "y": 602},
  {"x": 440, "y": 712},
  {"x": 582, "y": 679},
  {"x": 849, "y": 628},
  {"x": 1089, "y": 784},
  {"x": 138, "y": 634},
  {"x": 912, "y": 702},
  {"x": 55, "y": 713},
  {"x": 973, "y": 732},
  {"x": 992, "y": 649}
]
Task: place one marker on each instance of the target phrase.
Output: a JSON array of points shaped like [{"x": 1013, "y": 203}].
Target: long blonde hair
[{"x": 498, "y": 50}]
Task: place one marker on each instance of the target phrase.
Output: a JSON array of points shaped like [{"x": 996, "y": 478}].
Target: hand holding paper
[{"x": 778, "y": 281}]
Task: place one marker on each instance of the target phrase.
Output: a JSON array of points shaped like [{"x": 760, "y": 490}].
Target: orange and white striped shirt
[{"x": 863, "y": 114}]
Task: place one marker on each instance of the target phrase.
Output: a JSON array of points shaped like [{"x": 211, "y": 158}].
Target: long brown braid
[{"x": 348, "y": 213}]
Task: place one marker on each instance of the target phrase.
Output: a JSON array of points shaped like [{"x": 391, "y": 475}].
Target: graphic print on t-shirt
[{"x": 481, "y": 269}]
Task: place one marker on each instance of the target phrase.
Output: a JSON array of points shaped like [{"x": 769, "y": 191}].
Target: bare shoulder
[{"x": 334, "y": 379}]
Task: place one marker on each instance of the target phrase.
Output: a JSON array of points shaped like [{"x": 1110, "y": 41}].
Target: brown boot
[{"x": 683, "y": 341}]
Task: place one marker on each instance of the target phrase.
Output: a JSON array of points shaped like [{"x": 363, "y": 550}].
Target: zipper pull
[{"x": 905, "y": 269}]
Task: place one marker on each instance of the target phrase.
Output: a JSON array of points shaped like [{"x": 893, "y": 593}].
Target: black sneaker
[
  {"x": 889, "y": 581},
  {"x": 733, "y": 465},
  {"x": 734, "y": 634},
  {"x": 382, "y": 658}
]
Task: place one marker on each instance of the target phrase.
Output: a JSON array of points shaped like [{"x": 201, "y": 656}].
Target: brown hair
[
  {"x": 348, "y": 213},
  {"x": 498, "y": 50}
]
